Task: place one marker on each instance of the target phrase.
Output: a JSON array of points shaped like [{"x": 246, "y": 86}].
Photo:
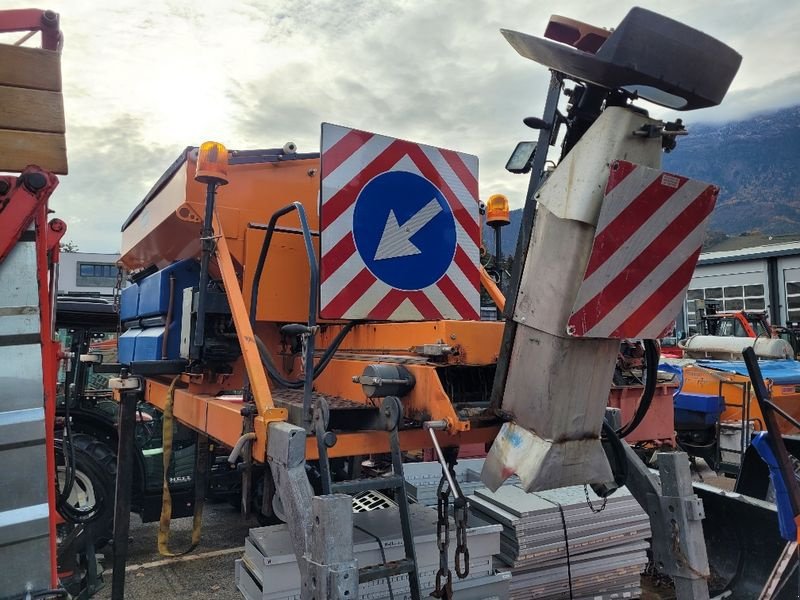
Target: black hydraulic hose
[
  {"x": 332, "y": 348},
  {"x": 619, "y": 452},
  {"x": 651, "y": 355},
  {"x": 326, "y": 357},
  {"x": 308, "y": 359},
  {"x": 69, "y": 512},
  {"x": 69, "y": 461},
  {"x": 262, "y": 258}
]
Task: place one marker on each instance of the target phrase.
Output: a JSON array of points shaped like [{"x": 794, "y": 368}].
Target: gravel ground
[{"x": 207, "y": 572}]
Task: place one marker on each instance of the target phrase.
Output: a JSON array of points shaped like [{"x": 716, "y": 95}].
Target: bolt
[{"x": 34, "y": 182}]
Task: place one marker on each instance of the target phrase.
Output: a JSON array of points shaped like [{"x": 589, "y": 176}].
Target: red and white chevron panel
[
  {"x": 349, "y": 289},
  {"x": 646, "y": 245}
]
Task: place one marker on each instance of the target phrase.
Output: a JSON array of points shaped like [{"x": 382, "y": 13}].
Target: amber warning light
[
  {"x": 212, "y": 163},
  {"x": 497, "y": 211}
]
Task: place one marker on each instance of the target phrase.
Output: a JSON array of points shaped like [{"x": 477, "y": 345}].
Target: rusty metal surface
[
  {"x": 289, "y": 398},
  {"x": 345, "y": 415}
]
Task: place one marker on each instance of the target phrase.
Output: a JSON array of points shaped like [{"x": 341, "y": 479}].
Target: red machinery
[
  {"x": 31, "y": 132},
  {"x": 28, "y": 257}
]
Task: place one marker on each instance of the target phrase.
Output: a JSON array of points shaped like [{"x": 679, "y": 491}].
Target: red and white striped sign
[
  {"x": 646, "y": 245},
  {"x": 435, "y": 224}
]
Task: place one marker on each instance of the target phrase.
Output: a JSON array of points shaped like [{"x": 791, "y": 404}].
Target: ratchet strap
[{"x": 199, "y": 479}]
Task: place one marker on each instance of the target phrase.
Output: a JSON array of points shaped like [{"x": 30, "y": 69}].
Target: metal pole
[
  {"x": 442, "y": 461},
  {"x": 498, "y": 255},
  {"x": 126, "y": 429},
  {"x": 207, "y": 244},
  {"x": 524, "y": 237}
]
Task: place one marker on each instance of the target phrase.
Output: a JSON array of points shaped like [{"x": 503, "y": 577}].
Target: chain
[
  {"x": 680, "y": 556},
  {"x": 444, "y": 576},
  {"x": 117, "y": 289},
  {"x": 460, "y": 513},
  {"x": 443, "y": 590},
  {"x": 303, "y": 350},
  {"x": 589, "y": 501},
  {"x": 116, "y": 299}
]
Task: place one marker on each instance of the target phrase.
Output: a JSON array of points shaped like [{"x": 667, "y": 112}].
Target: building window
[
  {"x": 793, "y": 301},
  {"x": 96, "y": 275}
]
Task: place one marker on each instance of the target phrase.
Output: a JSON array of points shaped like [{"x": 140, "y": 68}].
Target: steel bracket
[
  {"x": 332, "y": 569},
  {"x": 286, "y": 456},
  {"x": 670, "y": 516},
  {"x": 676, "y": 515}
]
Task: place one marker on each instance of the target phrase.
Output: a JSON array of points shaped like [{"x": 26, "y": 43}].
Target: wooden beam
[
  {"x": 31, "y": 110},
  {"x": 18, "y": 149},
  {"x": 33, "y": 68}
]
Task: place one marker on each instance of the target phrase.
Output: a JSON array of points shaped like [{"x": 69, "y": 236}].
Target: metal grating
[{"x": 371, "y": 500}]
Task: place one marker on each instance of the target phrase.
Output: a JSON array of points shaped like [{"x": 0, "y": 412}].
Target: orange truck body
[
  {"x": 740, "y": 402},
  {"x": 165, "y": 228}
]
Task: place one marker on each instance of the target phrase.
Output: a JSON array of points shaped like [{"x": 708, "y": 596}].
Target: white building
[
  {"x": 88, "y": 273},
  {"x": 753, "y": 272}
]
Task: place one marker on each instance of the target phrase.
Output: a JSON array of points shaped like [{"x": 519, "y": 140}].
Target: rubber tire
[{"x": 98, "y": 462}]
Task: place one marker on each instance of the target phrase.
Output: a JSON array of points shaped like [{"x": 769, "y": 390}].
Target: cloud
[
  {"x": 145, "y": 78},
  {"x": 107, "y": 164}
]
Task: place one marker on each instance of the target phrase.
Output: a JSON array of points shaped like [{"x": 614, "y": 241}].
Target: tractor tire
[{"x": 94, "y": 484}]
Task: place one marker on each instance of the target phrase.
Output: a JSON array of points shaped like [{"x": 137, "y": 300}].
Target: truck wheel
[{"x": 91, "y": 500}]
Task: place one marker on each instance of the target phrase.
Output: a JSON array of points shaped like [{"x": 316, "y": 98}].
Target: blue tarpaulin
[{"x": 780, "y": 372}]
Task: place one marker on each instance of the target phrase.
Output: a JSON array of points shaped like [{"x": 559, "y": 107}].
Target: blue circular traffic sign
[{"x": 404, "y": 230}]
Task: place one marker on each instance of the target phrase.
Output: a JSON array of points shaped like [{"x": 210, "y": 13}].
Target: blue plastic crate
[
  {"x": 129, "y": 303},
  {"x": 154, "y": 289},
  {"x": 127, "y": 345}
]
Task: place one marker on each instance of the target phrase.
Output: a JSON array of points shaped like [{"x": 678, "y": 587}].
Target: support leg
[
  {"x": 286, "y": 455},
  {"x": 684, "y": 512},
  {"x": 676, "y": 515},
  {"x": 332, "y": 568},
  {"x": 126, "y": 430}
]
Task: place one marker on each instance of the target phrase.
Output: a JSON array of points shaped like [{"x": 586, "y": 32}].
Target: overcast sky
[{"x": 145, "y": 78}]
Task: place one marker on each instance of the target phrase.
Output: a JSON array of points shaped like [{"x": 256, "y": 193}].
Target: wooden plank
[
  {"x": 33, "y": 68},
  {"x": 18, "y": 149},
  {"x": 31, "y": 110}
]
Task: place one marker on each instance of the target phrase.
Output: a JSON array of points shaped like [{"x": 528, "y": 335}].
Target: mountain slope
[{"x": 756, "y": 163}]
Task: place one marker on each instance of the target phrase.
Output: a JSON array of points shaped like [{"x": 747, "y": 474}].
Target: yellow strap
[{"x": 166, "y": 504}]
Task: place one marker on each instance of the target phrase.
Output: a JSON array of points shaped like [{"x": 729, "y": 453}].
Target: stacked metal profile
[
  {"x": 558, "y": 547},
  {"x": 422, "y": 479},
  {"x": 24, "y": 510},
  {"x": 268, "y": 570}
]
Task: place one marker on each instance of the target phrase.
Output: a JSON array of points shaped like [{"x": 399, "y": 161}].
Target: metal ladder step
[
  {"x": 388, "y": 569},
  {"x": 392, "y": 410}
]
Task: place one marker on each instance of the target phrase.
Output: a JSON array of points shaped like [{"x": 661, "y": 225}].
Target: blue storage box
[
  {"x": 127, "y": 345},
  {"x": 697, "y": 410},
  {"x": 129, "y": 303},
  {"x": 154, "y": 289},
  {"x": 148, "y": 343}
]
